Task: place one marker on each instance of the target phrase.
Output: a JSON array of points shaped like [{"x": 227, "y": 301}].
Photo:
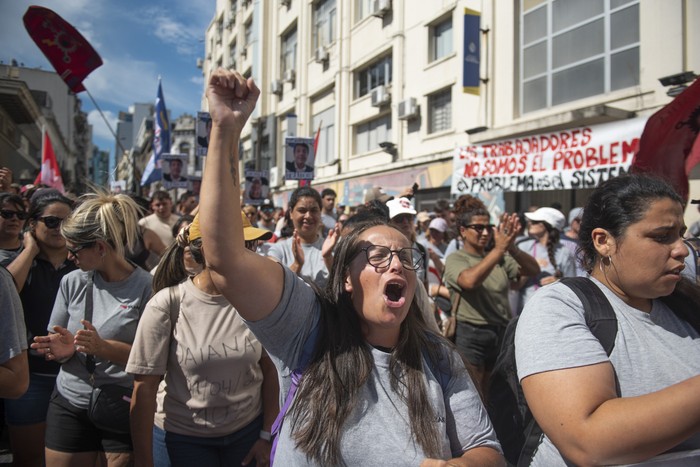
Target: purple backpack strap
[{"x": 296, "y": 375}]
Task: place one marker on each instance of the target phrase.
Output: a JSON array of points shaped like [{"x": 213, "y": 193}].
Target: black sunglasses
[
  {"x": 51, "y": 222},
  {"x": 74, "y": 251},
  {"x": 9, "y": 214},
  {"x": 479, "y": 228}
]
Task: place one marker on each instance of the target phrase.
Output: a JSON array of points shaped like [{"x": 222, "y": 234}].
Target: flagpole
[{"x": 106, "y": 121}]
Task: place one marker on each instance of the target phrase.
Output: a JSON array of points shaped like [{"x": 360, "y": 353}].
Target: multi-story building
[
  {"x": 34, "y": 100},
  {"x": 384, "y": 83}
]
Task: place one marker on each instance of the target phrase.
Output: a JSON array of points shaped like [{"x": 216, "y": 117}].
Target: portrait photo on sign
[
  {"x": 195, "y": 185},
  {"x": 203, "y": 131},
  {"x": 299, "y": 158},
  {"x": 257, "y": 186},
  {"x": 174, "y": 168}
]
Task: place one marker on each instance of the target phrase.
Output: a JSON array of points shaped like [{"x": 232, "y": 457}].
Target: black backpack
[{"x": 517, "y": 429}]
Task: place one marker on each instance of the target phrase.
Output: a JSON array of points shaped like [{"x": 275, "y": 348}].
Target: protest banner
[{"x": 567, "y": 159}]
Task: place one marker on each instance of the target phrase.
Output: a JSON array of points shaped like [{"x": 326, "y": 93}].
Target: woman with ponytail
[
  {"x": 205, "y": 390},
  {"x": 93, "y": 352},
  {"x": 544, "y": 227}
]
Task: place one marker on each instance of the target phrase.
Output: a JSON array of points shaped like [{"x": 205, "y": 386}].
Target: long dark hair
[
  {"x": 343, "y": 362},
  {"x": 615, "y": 205}
]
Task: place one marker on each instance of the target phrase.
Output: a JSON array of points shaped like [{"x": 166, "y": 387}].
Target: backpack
[{"x": 517, "y": 429}]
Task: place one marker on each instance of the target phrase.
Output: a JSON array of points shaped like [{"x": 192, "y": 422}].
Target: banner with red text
[{"x": 567, "y": 159}]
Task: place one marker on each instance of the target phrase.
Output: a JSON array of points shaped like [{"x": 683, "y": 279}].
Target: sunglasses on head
[
  {"x": 51, "y": 222},
  {"x": 9, "y": 214},
  {"x": 479, "y": 228}
]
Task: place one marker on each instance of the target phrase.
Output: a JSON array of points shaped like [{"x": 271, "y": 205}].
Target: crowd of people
[{"x": 232, "y": 334}]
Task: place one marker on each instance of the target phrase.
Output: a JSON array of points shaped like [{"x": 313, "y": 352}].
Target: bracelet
[{"x": 266, "y": 435}]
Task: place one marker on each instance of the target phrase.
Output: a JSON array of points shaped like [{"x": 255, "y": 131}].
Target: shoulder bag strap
[{"x": 89, "y": 359}]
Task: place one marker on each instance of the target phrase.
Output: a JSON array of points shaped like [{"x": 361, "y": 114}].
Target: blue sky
[{"x": 137, "y": 40}]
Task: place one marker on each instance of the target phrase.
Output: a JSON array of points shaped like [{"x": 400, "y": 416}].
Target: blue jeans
[
  {"x": 175, "y": 450},
  {"x": 31, "y": 408}
]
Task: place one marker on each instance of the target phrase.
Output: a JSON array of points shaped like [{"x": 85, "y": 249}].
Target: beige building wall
[{"x": 668, "y": 45}]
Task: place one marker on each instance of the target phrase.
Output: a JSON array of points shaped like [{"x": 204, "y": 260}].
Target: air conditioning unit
[
  {"x": 380, "y": 96},
  {"x": 244, "y": 52},
  {"x": 408, "y": 109},
  {"x": 200, "y": 63},
  {"x": 321, "y": 55},
  {"x": 380, "y": 7},
  {"x": 276, "y": 87},
  {"x": 290, "y": 76}
]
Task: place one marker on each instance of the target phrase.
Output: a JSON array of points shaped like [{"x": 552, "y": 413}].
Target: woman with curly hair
[
  {"x": 93, "y": 353},
  {"x": 377, "y": 388},
  {"x": 479, "y": 279}
]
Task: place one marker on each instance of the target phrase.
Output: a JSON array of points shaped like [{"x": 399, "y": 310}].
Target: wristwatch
[{"x": 266, "y": 435}]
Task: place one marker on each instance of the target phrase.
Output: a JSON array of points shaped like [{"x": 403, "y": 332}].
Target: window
[
  {"x": 324, "y": 23},
  {"x": 325, "y": 152},
  {"x": 372, "y": 76},
  {"x": 362, "y": 9},
  {"x": 289, "y": 51},
  {"x": 440, "y": 39},
  {"x": 232, "y": 56},
  {"x": 248, "y": 33},
  {"x": 369, "y": 135},
  {"x": 571, "y": 50},
  {"x": 219, "y": 30},
  {"x": 440, "y": 111}
]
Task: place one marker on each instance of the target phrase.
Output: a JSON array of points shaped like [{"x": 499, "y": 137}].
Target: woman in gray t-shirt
[
  {"x": 644, "y": 399},
  {"x": 378, "y": 388},
  {"x": 93, "y": 352}
]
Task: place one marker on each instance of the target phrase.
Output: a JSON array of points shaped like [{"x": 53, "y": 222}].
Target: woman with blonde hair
[
  {"x": 92, "y": 326},
  {"x": 214, "y": 411}
]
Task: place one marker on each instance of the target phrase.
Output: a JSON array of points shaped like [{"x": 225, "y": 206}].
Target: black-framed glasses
[
  {"x": 51, "y": 222},
  {"x": 380, "y": 256},
  {"x": 76, "y": 249},
  {"x": 479, "y": 228},
  {"x": 9, "y": 214}
]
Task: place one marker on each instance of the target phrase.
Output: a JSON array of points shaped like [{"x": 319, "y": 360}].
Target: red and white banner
[
  {"x": 50, "y": 174},
  {"x": 568, "y": 159}
]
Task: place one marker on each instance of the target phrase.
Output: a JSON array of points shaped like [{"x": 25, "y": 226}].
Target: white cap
[
  {"x": 438, "y": 224},
  {"x": 399, "y": 206},
  {"x": 551, "y": 216}
]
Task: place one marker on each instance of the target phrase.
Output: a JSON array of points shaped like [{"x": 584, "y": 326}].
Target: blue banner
[
  {"x": 472, "y": 51},
  {"x": 161, "y": 140}
]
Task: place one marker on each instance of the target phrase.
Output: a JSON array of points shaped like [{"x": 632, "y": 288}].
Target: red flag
[
  {"x": 668, "y": 146},
  {"x": 318, "y": 135},
  {"x": 70, "y": 54},
  {"x": 50, "y": 174}
]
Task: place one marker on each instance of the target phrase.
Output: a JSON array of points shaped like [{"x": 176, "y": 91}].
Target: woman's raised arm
[{"x": 250, "y": 282}]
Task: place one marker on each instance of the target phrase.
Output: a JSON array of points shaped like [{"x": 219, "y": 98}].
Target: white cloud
[{"x": 99, "y": 127}]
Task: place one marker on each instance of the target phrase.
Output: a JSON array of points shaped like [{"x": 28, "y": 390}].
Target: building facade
[
  {"x": 383, "y": 80},
  {"x": 34, "y": 100}
]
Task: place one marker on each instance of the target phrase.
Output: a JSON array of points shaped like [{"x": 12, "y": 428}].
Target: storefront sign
[{"x": 568, "y": 159}]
